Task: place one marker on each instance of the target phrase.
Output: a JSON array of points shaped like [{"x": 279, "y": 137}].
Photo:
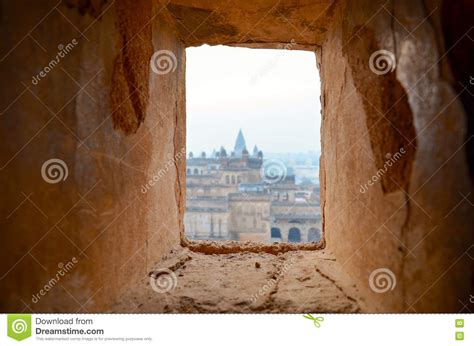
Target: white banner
[{"x": 238, "y": 330}]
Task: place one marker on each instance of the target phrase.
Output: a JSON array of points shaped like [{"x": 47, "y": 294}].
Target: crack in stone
[{"x": 327, "y": 277}]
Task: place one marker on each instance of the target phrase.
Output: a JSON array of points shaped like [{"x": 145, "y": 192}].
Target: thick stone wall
[
  {"x": 115, "y": 124},
  {"x": 119, "y": 129},
  {"x": 413, "y": 219}
]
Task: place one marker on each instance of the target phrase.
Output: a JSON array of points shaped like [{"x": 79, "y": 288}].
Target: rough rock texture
[
  {"x": 216, "y": 247},
  {"x": 262, "y": 23},
  {"x": 292, "y": 282},
  {"x": 129, "y": 94},
  {"x": 99, "y": 214},
  {"x": 456, "y": 26},
  {"x": 120, "y": 130},
  {"x": 414, "y": 221}
]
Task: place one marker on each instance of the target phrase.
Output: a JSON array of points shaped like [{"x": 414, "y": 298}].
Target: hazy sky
[{"x": 273, "y": 95}]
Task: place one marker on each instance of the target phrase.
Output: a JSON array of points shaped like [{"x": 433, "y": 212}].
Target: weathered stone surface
[
  {"x": 414, "y": 221},
  {"x": 264, "y": 23},
  {"x": 118, "y": 126},
  {"x": 99, "y": 214},
  {"x": 291, "y": 282}
]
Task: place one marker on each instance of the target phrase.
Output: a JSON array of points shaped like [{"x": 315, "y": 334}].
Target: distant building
[
  {"x": 228, "y": 199},
  {"x": 240, "y": 145}
]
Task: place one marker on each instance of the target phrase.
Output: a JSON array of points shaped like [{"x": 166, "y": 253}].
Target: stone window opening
[
  {"x": 148, "y": 127},
  {"x": 241, "y": 191}
]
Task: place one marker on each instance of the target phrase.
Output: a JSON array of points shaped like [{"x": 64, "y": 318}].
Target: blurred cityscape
[{"x": 252, "y": 196}]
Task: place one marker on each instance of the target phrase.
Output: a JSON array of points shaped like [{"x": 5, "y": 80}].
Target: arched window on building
[
  {"x": 227, "y": 179},
  {"x": 188, "y": 171},
  {"x": 275, "y": 234},
  {"x": 233, "y": 180},
  {"x": 196, "y": 171},
  {"x": 314, "y": 235},
  {"x": 294, "y": 235}
]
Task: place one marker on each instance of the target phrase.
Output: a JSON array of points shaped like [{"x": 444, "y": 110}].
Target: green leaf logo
[{"x": 19, "y": 326}]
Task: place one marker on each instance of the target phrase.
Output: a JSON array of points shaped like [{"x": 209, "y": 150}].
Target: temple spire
[{"x": 239, "y": 144}]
